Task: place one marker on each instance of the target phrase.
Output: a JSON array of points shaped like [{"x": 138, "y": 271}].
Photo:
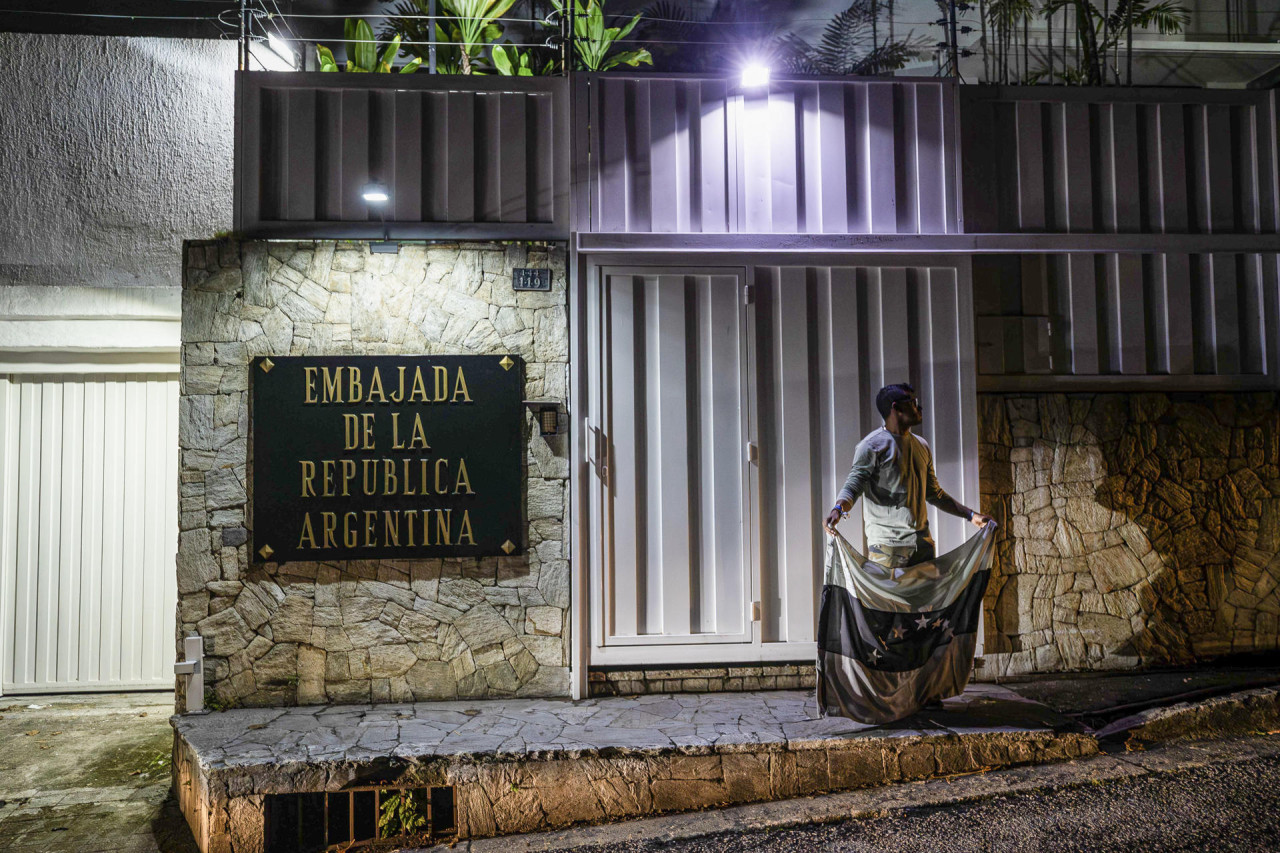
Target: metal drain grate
[{"x": 314, "y": 823}]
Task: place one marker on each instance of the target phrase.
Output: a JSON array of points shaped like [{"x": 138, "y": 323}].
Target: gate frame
[{"x": 585, "y": 267}]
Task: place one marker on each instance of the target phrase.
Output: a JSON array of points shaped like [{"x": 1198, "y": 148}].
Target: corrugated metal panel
[
  {"x": 687, "y": 371},
  {"x": 697, "y": 155},
  {"x": 1053, "y": 159},
  {"x": 677, "y": 567},
  {"x": 1193, "y": 317},
  {"x": 827, "y": 339},
  {"x": 486, "y": 160},
  {"x": 88, "y": 531}
]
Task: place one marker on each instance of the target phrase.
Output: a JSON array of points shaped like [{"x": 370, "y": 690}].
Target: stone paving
[
  {"x": 87, "y": 774},
  {"x": 523, "y": 765}
]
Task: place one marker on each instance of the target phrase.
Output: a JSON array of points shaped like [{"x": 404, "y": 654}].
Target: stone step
[{"x": 523, "y": 765}]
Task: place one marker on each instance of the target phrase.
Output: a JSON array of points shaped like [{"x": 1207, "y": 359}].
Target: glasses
[{"x": 913, "y": 401}]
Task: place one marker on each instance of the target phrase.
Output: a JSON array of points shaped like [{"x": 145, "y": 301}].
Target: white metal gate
[
  {"x": 88, "y": 531},
  {"x": 723, "y": 409}
]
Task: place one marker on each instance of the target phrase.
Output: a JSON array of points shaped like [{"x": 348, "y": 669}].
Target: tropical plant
[
  {"x": 594, "y": 43},
  {"x": 1089, "y": 43},
  {"x": 476, "y": 22},
  {"x": 851, "y": 44},
  {"x": 730, "y": 33},
  {"x": 513, "y": 62},
  {"x": 411, "y": 22},
  {"x": 403, "y": 813},
  {"x": 362, "y": 51}
]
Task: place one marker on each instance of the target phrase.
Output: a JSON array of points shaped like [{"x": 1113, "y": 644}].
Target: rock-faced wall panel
[
  {"x": 1139, "y": 530},
  {"x": 364, "y": 630}
]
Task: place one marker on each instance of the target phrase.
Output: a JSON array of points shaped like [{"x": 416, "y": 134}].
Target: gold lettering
[
  {"x": 308, "y": 535},
  {"x": 348, "y": 474},
  {"x": 329, "y": 521},
  {"x": 391, "y": 532},
  {"x": 326, "y": 469},
  {"x": 350, "y": 537},
  {"x": 399, "y": 399},
  {"x": 408, "y": 492},
  {"x": 464, "y": 530},
  {"x": 332, "y": 385},
  {"x": 443, "y": 534},
  {"x": 370, "y": 484},
  {"x": 418, "y": 441},
  {"x": 355, "y": 390},
  {"x": 367, "y": 417},
  {"x": 308, "y": 476},
  {"x": 375, "y": 387},
  {"x": 460, "y": 387},
  {"x": 440, "y": 490},
  {"x": 441, "y": 375},
  {"x": 370, "y": 519},
  {"x": 463, "y": 480},
  {"x": 419, "y": 391},
  {"x": 390, "y": 483},
  {"x": 350, "y": 432},
  {"x": 409, "y": 514},
  {"x": 396, "y": 443},
  {"x": 426, "y": 527},
  {"x": 308, "y": 385}
]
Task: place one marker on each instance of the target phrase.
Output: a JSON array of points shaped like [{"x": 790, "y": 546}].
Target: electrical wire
[{"x": 103, "y": 15}]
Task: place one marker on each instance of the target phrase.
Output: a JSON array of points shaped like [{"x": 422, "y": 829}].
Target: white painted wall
[{"x": 116, "y": 150}]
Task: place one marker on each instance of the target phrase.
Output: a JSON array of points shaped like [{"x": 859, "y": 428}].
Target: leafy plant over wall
[
  {"x": 362, "y": 51},
  {"x": 594, "y": 43},
  {"x": 851, "y": 44}
]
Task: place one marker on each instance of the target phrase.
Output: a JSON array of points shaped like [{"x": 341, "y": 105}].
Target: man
[{"x": 893, "y": 474}]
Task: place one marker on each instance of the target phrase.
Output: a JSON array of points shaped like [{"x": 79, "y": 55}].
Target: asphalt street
[{"x": 1221, "y": 807}]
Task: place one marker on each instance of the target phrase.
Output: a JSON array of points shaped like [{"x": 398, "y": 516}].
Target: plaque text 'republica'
[{"x": 386, "y": 456}]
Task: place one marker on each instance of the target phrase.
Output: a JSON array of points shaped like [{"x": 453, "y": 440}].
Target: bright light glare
[
  {"x": 281, "y": 48},
  {"x": 376, "y": 193},
  {"x": 755, "y": 75}
]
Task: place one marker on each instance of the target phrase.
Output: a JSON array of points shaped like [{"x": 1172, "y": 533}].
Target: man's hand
[
  {"x": 979, "y": 520},
  {"x": 833, "y": 518}
]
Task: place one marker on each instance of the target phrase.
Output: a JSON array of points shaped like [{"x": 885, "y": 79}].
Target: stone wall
[
  {"x": 370, "y": 630},
  {"x": 1139, "y": 530},
  {"x": 639, "y": 681}
]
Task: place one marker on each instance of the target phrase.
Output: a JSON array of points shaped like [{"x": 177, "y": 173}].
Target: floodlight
[
  {"x": 375, "y": 192},
  {"x": 755, "y": 75}
]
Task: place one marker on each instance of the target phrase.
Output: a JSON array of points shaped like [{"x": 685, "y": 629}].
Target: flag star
[
  {"x": 875, "y": 655},
  {"x": 922, "y": 622},
  {"x": 949, "y": 633},
  {"x": 946, "y": 623},
  {"x": 937, "y": 623},
  {"x": 899, "y": 632}
]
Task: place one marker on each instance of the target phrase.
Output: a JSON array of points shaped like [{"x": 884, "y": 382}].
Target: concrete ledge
[{"x": 524, "y": 765}]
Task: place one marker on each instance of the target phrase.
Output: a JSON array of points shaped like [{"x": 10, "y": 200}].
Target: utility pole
[
  {"x": 244, "y": 35},
  {"x": 953, "y": 41}
]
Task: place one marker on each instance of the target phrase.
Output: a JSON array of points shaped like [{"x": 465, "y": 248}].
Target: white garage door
[{"x": 88, "y": 531}]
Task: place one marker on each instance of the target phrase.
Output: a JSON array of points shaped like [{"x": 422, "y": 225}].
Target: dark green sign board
[{"x": 359, "y": 457}]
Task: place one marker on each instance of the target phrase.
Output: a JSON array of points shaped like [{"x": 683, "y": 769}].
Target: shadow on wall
[{"x": 1138, "y": 530}]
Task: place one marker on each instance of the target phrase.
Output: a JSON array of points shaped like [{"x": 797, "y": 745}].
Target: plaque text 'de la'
[{"x": 358, "y": 457}]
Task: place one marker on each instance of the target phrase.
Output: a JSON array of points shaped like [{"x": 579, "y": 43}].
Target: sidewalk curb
[
  {"x": 1244, "y": 712},
  {"x": 872, "y": 803},
  {"x": 1238, "y": 726}
]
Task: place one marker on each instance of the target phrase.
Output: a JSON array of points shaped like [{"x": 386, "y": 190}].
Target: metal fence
[
  {"x": 1116, "y": 161},
  {"x": 485, "y": 158},
  {"x": 807, "y": 156}
]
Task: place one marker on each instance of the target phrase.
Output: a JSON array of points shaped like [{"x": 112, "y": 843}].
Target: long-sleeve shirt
[{"x": 894, "y": 476}]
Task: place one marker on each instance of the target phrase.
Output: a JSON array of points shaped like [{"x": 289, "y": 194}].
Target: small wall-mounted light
[
  {"x": 755, "y": 75},
  {"x": 375, "y": 192},
  {"x": 547, "y": 414}
]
